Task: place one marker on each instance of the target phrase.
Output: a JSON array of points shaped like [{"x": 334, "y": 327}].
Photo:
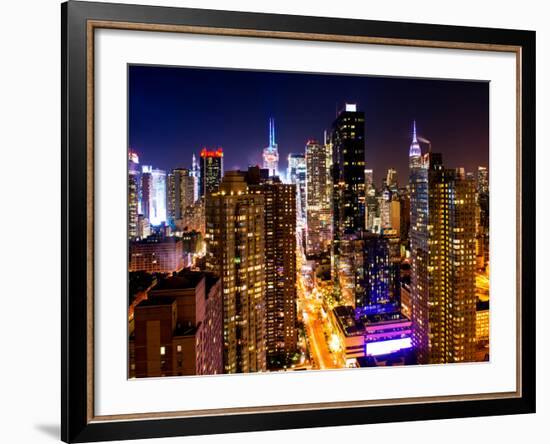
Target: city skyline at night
[
  {"x": 357, "y": 239},
  {"x": 175, "y": 112}
]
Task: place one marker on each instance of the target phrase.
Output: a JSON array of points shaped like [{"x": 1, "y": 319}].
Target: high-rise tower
[
  {"x": 442, "y": 236},
  {"x": 211, "y": 170},
  {"x": 296, "y": 175},
  {"x": 280, "y": 265},
  {"x": 134, "y": 182},
  {"x": 235, "y": 251},
  {"x": 317, "y": 198},
  {"x": 181, "y": 188},
  {"x": 348, "y": 202},
  {"x": 196, "y": 174},
  {"x": 271, "y": 153},
  {"x": 154, "y": 195}
]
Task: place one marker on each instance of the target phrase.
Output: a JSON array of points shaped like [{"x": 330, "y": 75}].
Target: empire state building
[{"x": 271, "y": 154}]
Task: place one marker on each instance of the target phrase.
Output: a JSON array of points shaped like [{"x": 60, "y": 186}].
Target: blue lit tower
[{"x": 271, "y": 153}]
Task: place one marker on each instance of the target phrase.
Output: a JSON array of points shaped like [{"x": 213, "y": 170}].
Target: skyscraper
[
  {"x": 483, "y": 215},
  {"x": 280, "y": 265},
  {"x": 211, "y": 170},
  {"x": 154, "y": 194},
  {"x": 296, "y": 174},
  {"x": 348, "y": 169},
  {"x": 317, "y": 198},
  {"x": 395, "y": 214},
  {"x": 235, "y": 251},
  {"x": 372, "y": 214},
  {"x": 270, "y": 153},
  {"x": 134, "y": 180},
  {"x": 482, "y": 180},
  {"x": 369, "y": 179},
  {"x": 391, "y": 179},
  {"x": 443, "y": 259},
  {"x": 378, "y": 271},
  {"x": 348, "y": 200},
  {"x": 196, "y": 174},
  {"x": 181, "y": 195},
  {"x": 146, "y": 192},
  {"x": 384, "y": 203},
  {"x": 171, "y": 198}
]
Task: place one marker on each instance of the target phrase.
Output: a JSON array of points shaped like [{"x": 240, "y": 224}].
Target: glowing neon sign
[
  {"x": 212, "y": 153},
  {"x": 387, "y": 347}
]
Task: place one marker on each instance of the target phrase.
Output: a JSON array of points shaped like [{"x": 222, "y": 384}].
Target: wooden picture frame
[{"x": 79, "y": 22}]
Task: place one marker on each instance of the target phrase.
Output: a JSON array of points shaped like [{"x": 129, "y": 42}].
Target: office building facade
[
  {"x": 235, "y": 251},
  {"x": 443, "y": 260}
]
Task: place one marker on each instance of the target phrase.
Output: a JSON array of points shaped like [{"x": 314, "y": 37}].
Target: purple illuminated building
[{"x": 374, "y": 340}]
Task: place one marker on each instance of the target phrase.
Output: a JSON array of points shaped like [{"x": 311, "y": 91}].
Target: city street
[{"x": 314, "y": 322}]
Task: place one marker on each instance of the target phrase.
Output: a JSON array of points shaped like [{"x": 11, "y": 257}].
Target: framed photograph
[{"x": 275, "y": 221}]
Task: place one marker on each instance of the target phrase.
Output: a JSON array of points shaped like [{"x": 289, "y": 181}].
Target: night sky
[{"x": 174, "y": 112}]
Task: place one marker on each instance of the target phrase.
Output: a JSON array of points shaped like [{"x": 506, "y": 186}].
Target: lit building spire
[
  {"x": 270, "y": 153},
  {"x": 271, "y": 132},
  {"x": 414, "y": 150}
]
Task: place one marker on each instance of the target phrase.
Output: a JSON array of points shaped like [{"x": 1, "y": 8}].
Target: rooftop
[
  {"x": 182, "y": 281},
  {"x": 351, "y": 326},
  {"x": 155, "y": 239},
  {"x": 156, "y": 301}
]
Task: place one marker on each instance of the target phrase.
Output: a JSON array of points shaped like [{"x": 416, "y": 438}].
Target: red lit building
[{"x": 211, "y": 164}]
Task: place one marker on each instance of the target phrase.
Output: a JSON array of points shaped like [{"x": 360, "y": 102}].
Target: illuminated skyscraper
[
  {"x": 146, "y": 191},
  {"x": 372, "y": 213},
  {"x": 391, "y": 179},
  {"x": 134, "y": 180},
  {"x": 296, "y": 174},
  {"x": 348, "y": 202},
  {"x": 348, "y": 171},
  {"x": 317, "y": 198},
  {"x": 154, "y": 194},
  {"x": 443, "y": 260},
  {"x": 395, "y": 214},
  {"x": 171, "y": 198},
  {"x": 379, "y": 275},
  {"x": 483, "y": 216},
  {"x": 482, "y": 180},
  {"x": 270, "y": 153},
  {"x": 196, "y": 174},
  {"x": 328, "y": 149},
  {"x": 181, "y": 190},
  {"x": 384, "y": 203},
  {"x": 211, "y": 170},
  {"x": 369, "y": 179},
  {"x": 235, "y": 251},
  {"x": 158, "y": 202},
  {"x": 280, "y": 265}
]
